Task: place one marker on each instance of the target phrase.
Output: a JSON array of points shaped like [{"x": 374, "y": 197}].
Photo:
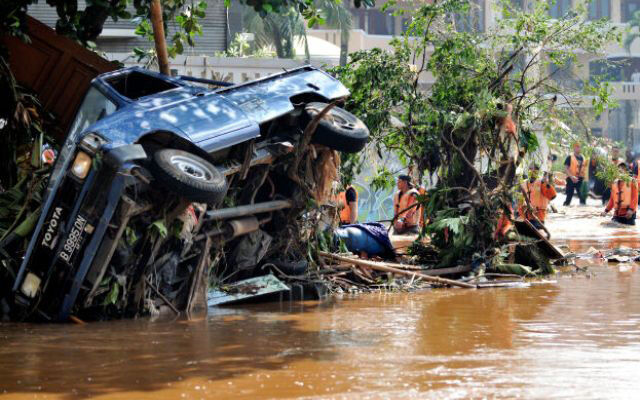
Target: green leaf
[
  {"x": 112, "y": 297},
  {"x": 159, "y": 227},
  {"x": 130, "y": 236}
]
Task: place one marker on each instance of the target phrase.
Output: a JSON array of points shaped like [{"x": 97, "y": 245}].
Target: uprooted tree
[{"x": 492, "y": 93}]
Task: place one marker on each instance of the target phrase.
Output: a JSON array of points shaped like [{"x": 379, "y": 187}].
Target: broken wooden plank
[
  {"x": 383, "y": 267},
  {"x": 526, "y": 228},
  {"x": 199, "y": 282}
]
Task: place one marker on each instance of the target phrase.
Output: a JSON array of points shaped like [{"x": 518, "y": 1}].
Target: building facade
[
  {"x": 375, "y": 29},
  {"x": 119, "y": 37}
]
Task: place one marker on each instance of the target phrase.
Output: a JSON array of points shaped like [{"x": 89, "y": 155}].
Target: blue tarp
[{"x": 370, "y": 237}]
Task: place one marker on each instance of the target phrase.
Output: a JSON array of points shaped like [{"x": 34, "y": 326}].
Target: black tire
[
  {"x": 189, "y": 176},
  {"x": 339, "y": 129}
]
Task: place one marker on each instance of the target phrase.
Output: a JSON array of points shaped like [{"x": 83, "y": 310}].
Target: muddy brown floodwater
[{"x": 577, "y": 338}]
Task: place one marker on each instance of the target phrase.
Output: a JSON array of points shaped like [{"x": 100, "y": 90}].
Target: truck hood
[{"x": 270, "y": 97}]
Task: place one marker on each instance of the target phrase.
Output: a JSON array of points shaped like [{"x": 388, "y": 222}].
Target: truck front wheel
[{"x": 189, "y": 176}]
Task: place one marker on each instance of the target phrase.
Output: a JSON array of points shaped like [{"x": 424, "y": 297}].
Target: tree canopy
[{"x": 457, "y": 128}]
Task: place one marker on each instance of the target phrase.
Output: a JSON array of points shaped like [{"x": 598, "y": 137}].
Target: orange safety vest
[
  {"x": 345, "y": 212},
  {"x": 576, "y": 167},
  {"x": 401, "y": 202},
  {"x": 622, "y": 197},
  {"x": 504, "y": 225},
  {"x": 539, "y": 197}
]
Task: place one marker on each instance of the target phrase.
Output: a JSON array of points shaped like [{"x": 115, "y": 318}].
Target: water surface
[{"x": 576, "y": 338}]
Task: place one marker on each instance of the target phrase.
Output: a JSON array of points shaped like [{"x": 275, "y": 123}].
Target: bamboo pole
[
  {"x": 383, "y": 267},
  {"x": 158, "y": 37}
]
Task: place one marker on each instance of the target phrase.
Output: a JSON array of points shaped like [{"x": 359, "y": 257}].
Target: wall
[{"x": 236, "y": 70}]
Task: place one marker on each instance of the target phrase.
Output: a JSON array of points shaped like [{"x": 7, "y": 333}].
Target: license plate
[{"x": 74, "y": 240}]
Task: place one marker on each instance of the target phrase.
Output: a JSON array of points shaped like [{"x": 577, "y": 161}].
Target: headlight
[
  {"x": 30, "y": 285},
  {"x": 81, "y": 165}
]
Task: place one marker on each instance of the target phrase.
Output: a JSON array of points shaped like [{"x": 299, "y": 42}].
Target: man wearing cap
[{"x": 406, "y": 217}]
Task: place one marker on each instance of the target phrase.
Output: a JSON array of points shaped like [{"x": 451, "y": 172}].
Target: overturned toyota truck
[{"x": 145, "y": 148}]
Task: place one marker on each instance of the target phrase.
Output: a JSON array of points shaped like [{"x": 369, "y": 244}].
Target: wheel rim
[
  {"x": 338, "y": 120},
  {"x": 193, "y": 168},
  {"x": 335, "y": 118}
]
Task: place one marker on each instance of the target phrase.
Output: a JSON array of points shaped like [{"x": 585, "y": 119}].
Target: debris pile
[
  {"x": 158, "y": 226},
  {"x": 618, "y": 255}
]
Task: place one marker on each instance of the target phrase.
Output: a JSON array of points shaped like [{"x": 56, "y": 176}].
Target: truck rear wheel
[
  {"x": 339, "y": 129},
  {"x": 189, "y": 176}
]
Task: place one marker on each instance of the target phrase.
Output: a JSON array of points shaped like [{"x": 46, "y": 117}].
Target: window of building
[
  {"x": 560, "y": 8},
  {"x": 606, "y": 70},
  {"x": 381, "y": 23},
  {"x": 629, "y": 7},
  {"x": 472, "y": 21},
  {"x": 599, "y": 9}
]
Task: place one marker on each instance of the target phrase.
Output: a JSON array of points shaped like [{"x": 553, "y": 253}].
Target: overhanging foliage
[{"x": 459, "y": 128}]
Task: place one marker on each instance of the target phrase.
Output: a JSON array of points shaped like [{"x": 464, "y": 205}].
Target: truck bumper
[{"x": 64, "y": 248}]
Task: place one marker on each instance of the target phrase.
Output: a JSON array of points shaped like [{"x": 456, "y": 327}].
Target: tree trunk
[
  {"x": 158, "y": 37},
  {"x": 344, "y": 46}
]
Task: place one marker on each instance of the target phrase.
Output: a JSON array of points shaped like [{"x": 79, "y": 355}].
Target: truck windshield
[{"x": 94, "y": 107}]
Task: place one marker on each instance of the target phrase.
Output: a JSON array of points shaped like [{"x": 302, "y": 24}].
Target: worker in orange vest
[
  {"x": 624, "y": 199},
  {"x": 575, "y": 167},
  {"x": 348, "y": 204},
  {"x": 539, "y": 192},
  {"x": 406, "y": 218},
  {"x": 504, "y": 224}
]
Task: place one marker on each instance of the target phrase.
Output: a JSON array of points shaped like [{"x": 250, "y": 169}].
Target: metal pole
[{"x": 250, "y": 209}]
